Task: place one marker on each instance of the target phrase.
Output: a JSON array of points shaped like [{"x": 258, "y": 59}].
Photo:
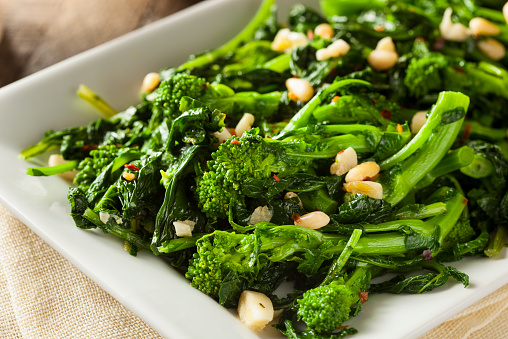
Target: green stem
[
  {"x": 52, "y": 170},
  {"x": 263, "y": 13},
  {"x": 96, "y": 101},
  {"x": 336, "y": 267},
  {"x": 497, "y": 241}
]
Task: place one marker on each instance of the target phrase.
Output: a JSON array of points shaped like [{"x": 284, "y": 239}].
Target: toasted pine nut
[
  {"x": 371, "y": 188},
  {"x": 338, "y": 48},
  {"x": 301, "y": 89},
  {"x": 492, "y": 48},
  {"x": 281, "y": 41},
  {"x": 344, "y": 161},
  {"x": 255, "y": 310},
  {"x": 128, "y": 176},
  {"x": 245, "y": 124},
  {"x": 386, "y": 44},
  {"x": 324, "y": 30},
  {"x": 184, "y": 228},
  {"x": 481, "y": 26},
  {"x": 323, "y": 54},
  {"x": 297, "y": 39},
  {"x": 505, "y": 11},
  {"x": 313, "y": 220},
  {"x": 261, "y": 213},
  {"x": 57, "y": 159},
  {"x": 363, "y": 171},
  {"x": 335, "y": 49},
  {"x": 382, "y": 60},
  {"x": 223, "y": 135},
  {"x": 290, "y": 195},
  {"x": 418, "y": 120},
  {"x": 150, "y": 82},
  {"x": 452, "y": 31}
]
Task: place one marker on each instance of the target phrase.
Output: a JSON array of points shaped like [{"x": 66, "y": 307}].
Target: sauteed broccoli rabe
[{"x": 327, "y": 152}]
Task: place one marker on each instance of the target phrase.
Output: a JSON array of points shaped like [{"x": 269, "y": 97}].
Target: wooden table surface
[{"x": 39, "y": 33}]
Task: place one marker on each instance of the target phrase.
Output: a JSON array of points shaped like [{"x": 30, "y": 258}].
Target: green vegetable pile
[{"x": 232, "y": 213}]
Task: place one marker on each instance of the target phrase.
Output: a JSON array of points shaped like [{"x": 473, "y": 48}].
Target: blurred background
[{"x": 39, "y": 33}]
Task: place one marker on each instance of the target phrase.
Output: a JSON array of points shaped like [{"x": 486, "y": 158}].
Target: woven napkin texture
[{"x": 42, "y": 295}]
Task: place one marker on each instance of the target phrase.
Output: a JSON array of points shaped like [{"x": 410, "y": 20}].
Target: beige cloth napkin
[{"x": 42, "y": 295}]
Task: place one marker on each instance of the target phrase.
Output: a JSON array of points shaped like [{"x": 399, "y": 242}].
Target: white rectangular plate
[{"x": 146, "y": 284}]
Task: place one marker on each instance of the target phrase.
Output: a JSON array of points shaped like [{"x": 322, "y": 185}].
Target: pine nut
[
  {"x": 492, "y": 48},
  {"x": 382, "y": 60},
  {"x": 285, "y": 40},
  {"x": 184, "y": 228},
  {"x": 370, "y": 188},
  {"x": 57, "y": 159},
  {"x": 290, "y": 195},
  {"x": 344, "y": 161},
  {"x": 313, "y": 220},
  {"x": 255, "y": 310},
  {"x": 297, "y": 39},
  {"x": 481, "y": 26},
  {"x": 362, "y": 172},
  {"x": 300, "y": 89},
  {"x": 150, "y": 82},
  {"x": 418, "y": 120},
  {"x": 281, "y": 41},
  {"x": 323, "y": 54},
  {"x": 505, "y": 11},
  {"x": 223, "y": 135},
  {"x": 261, "y": 213},
  {"x": 452, "y": 31},
  {"x": 324, "y": 30},
  {"x": 245, "y": 124},
  {"x": 386, "y": 44},
  {"x": 334, "y": 50}
]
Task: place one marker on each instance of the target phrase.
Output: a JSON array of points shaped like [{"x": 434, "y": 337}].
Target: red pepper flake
[
  {"x": 276, "y": 177},
  {"x": 205, "y": 86},
  {"x": 296, "y": 218},
  {"x": 467, "y": 131},
  {"x": 374, "y": 101},
  {"x": 427, "y": 255},
  {"x": 87, "y": 148},
  {"x": 464, "y": 202},
  {"x": 268, "y": 137},
  {"x": 386, "y": 114},
  {"x": 341, "y": 151},
  {"x": 459, "y": 69},
  {"x": 336, "y": 98},
  {"x": 316, "y": 209},
  {"x": 310, "y": 34},
  {"x": 235, "y": 142},
  {"x": 439, "y": 44},
  {"x": 399, "y": 128},
  {"x": 364, "y": 296},
  {"x": 131, "y": 167}
]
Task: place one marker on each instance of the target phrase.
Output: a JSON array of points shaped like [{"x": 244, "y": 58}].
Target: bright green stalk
[
  {"x": 401, "y": 180},
  {"x": 453, "y": 161},
  {"x": 301, "y": 118},
  {"x": 480, "y": 167},
  {"x": 447, "y": 101},
  {"x": 96, "y": 101},
  {"x": 52, "y": 170},
  {"x": 244, "y": 36},
  {"x": 340, "y": 262}
]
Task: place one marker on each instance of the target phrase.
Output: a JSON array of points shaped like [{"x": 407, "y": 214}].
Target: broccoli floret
[
  {"x": 461, "y": 233},
  {"x": 238, "y": 159},
  {"x": 326, "y": 307},
  {"x": 92, "y": 166},
  {"x": 166, "y": 99},
  {"x": 219, "y": 255},
  {"x": 172, "y": 90},
  {"x": 431, "y": 72}
]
